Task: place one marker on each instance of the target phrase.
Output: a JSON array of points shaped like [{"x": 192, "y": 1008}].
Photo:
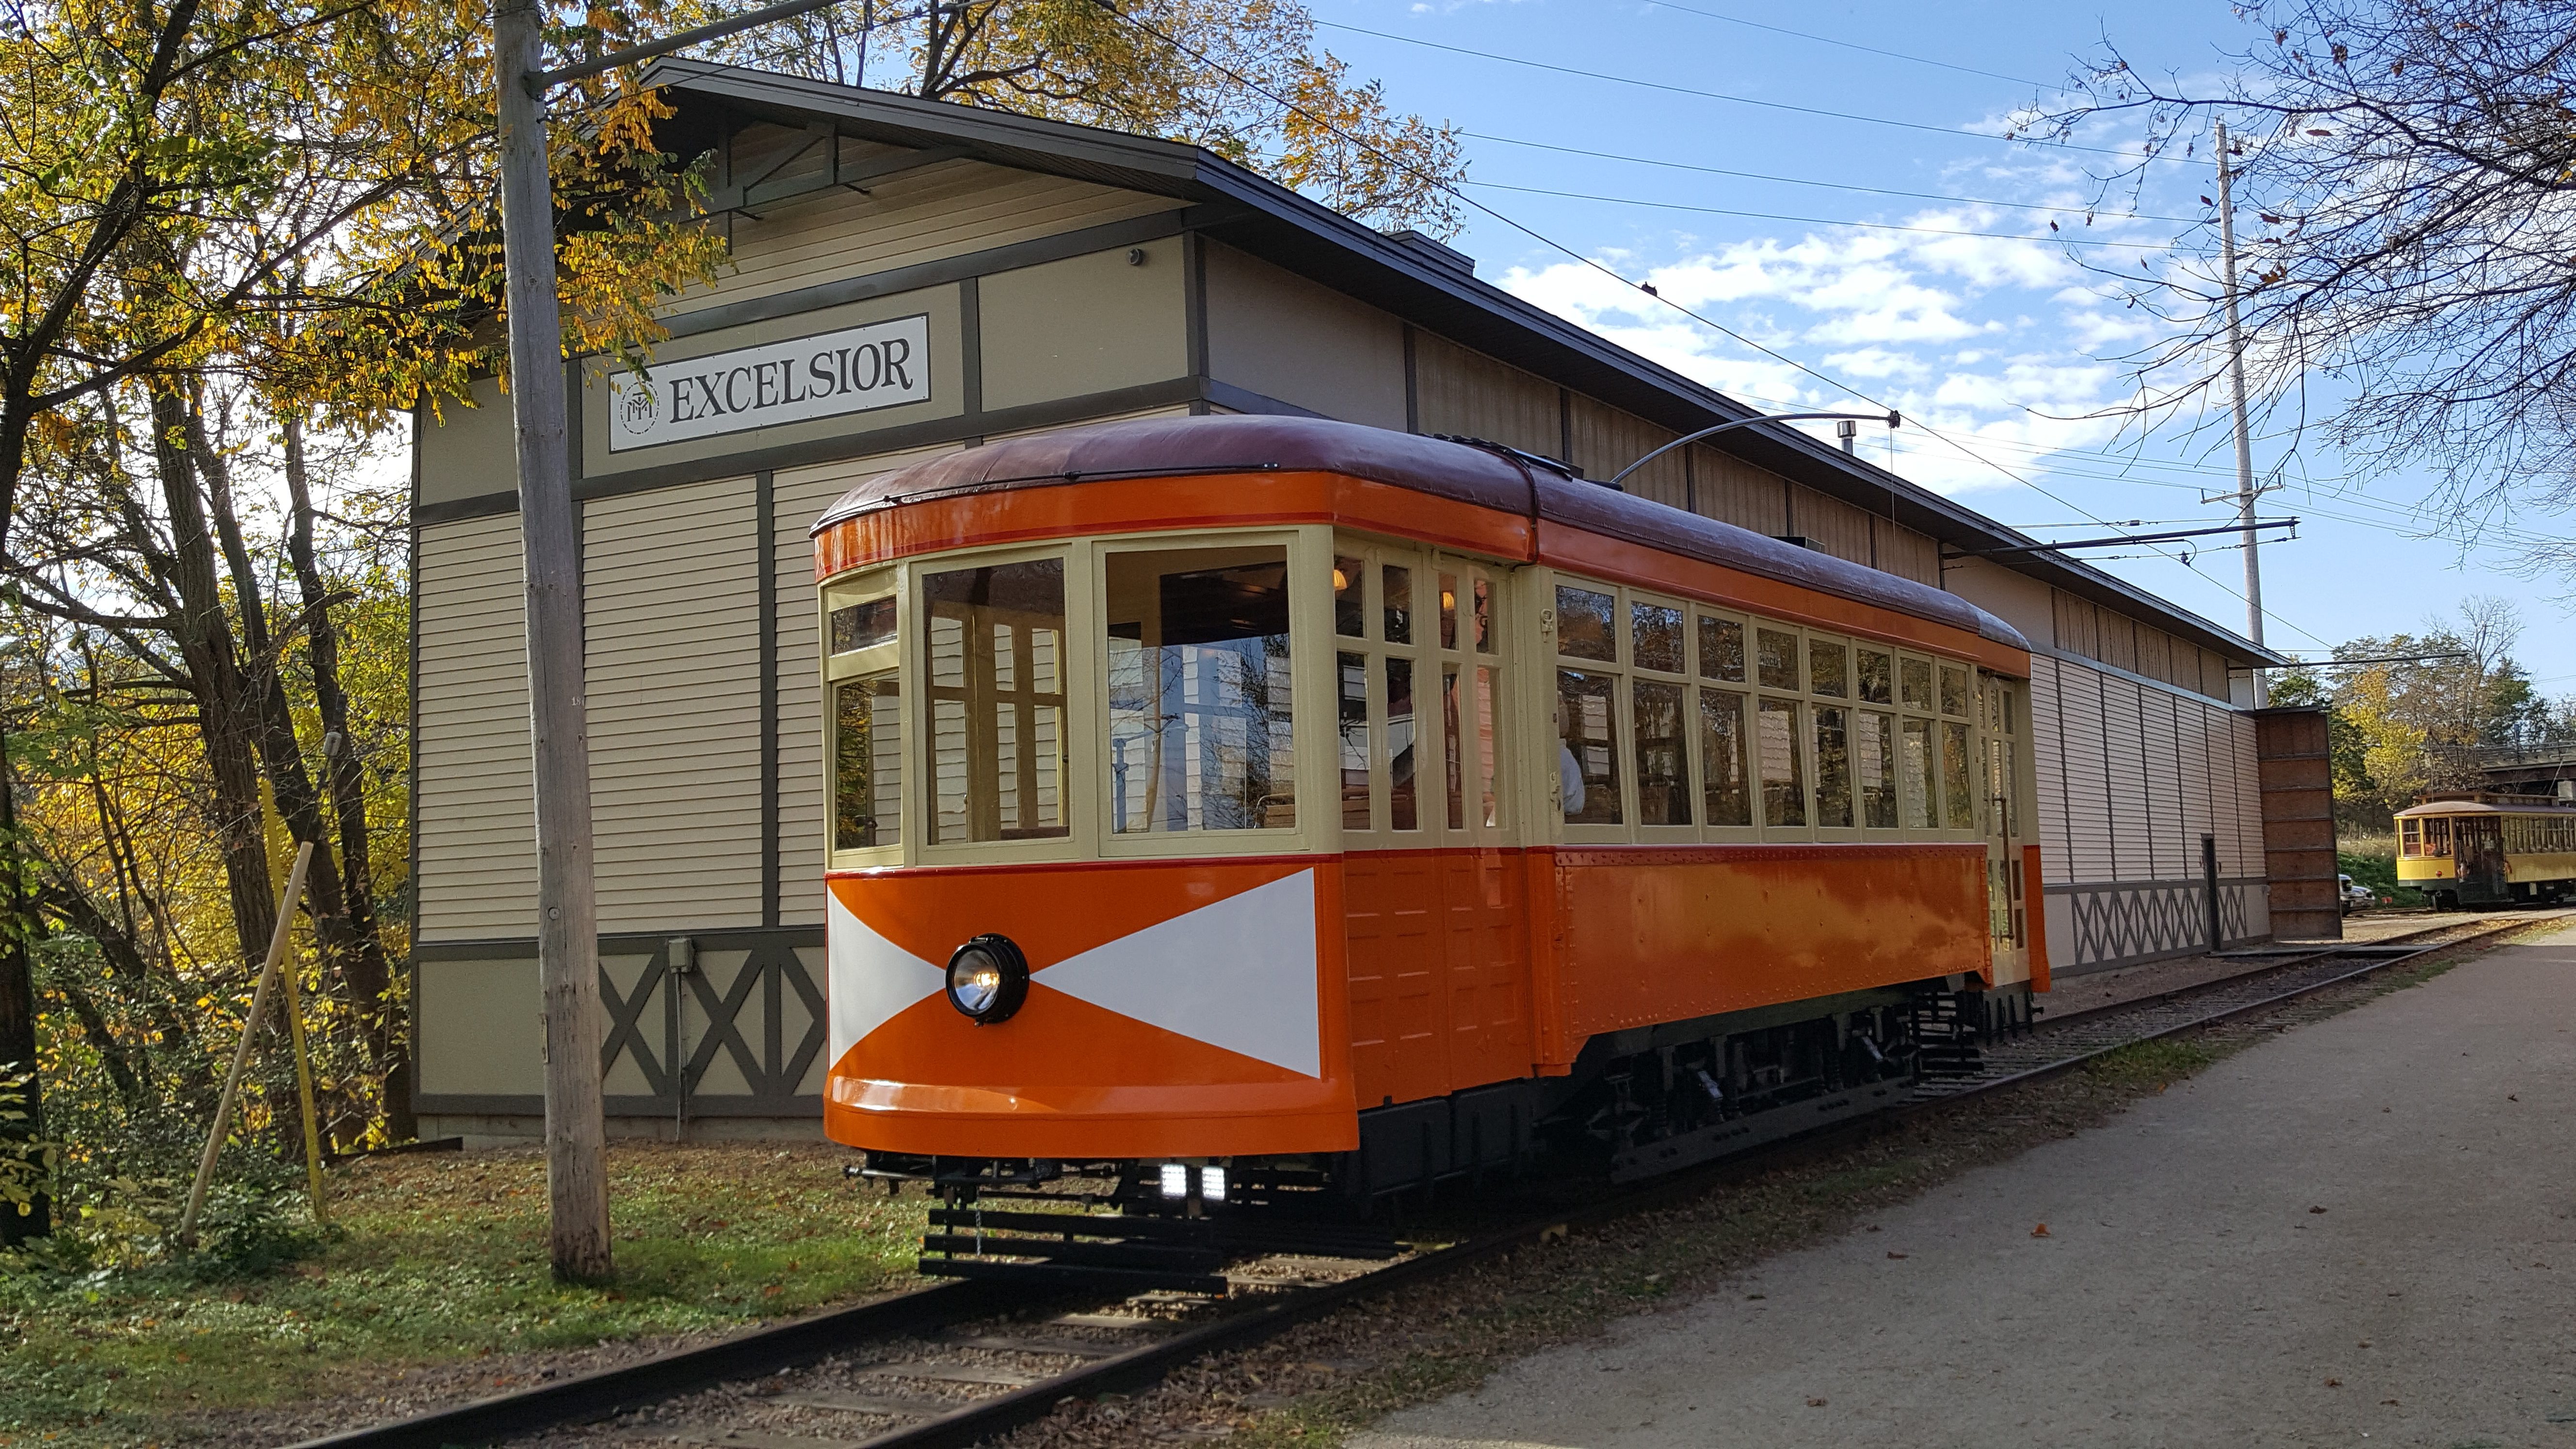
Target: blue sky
[{"x": 2002, "y": 343}]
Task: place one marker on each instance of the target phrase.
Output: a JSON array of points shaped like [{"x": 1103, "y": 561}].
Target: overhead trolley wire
[
  {"x": 2077, "y": 241},
  {"x": 1579, "y": 258},
  {"x": 2083, "y": 211},
  {"x": 1853, "y": 45},
  {"x": 1679, "y": 90}
]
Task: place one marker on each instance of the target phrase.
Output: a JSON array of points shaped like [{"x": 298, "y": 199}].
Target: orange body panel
[
  {"x": 1655, "y": 934},
  {"x": 2036, "y": 912},
  {"x": 1127, "y": 505},
  {"x": 1091, "y": 1072},
  {"x": 1439, "y": 984}
]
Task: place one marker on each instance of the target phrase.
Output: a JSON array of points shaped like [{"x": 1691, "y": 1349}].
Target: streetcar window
[
  {"x": 1721, "y": 649},
  {"x": 1488, "y": 767},
  {"x": 1199, "y": 706},
  {"x": 1450, "y": 744},
  {"x": 1396, "y": 595},
  {"x": 1448, "y": 611},
  {"x": 1874, "y": 767},
  {"x": 1916, "y": 681},
  {"x": 2437, "y": 835},
  {"x": 1828, "y": 670},
  {"x": 867, "y": 762},
  {"x": 1918, "y": 795},
  {"x": 1663, "y": 750},
  {"x": 1655, "y": 637},
  {"x": 1402, "y": 808},
  {"x": 1958, "y": 799},
  {"x": 1833, "y": 766},
  {"x": 1877, "y": 677},
  {"x": 1784, "y": 786},
  {"x": 1584, "y": 627},
  {"x": 2410, "y": 837},
  {"x": 1954, "y": 691},
  {"x": 1724, "y": 792},
  {"x": 996, "y": 701},
  {"x": 1484, "y": 616},
  {"x": 1587, "y": 752},
  {"x": 1775, "y": 658},
  {"x": 1350, "y": 579},
  {"x": 863, "y": 625},
  {"x": 1353, "y": 671}
]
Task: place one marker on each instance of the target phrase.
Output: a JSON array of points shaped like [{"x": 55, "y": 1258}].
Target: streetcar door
[{"x": 2477, "y": 843}]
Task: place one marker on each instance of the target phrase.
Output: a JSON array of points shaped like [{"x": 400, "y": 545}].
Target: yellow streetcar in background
[{"x": 2488, "y": 850}]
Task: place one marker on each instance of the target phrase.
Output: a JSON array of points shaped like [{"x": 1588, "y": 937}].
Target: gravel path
[{"x": 2363, "y": 1230}]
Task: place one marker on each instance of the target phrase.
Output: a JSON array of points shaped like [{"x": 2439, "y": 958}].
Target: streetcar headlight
[{"x": 988, "y": 978}]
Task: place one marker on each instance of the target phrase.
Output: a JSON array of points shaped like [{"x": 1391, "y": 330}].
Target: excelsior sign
[{"x": 850, "y": 371}]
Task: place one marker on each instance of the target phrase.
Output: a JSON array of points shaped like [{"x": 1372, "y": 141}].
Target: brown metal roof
[{"x": 1253, "y": 445}]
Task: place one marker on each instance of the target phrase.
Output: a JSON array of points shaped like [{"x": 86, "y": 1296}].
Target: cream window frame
[
  {"x": 1081, "y": 700},
  {"x": 1631, "y": 675},
  {"x": 838, "y": 668},
  {"x": 1748, "y": 714},
  {"x": 1310, "y": 617},
  {"x": 1429, "y": 661}
]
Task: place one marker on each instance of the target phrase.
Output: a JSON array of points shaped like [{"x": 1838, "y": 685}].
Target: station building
[{"x": 910, "y": 278}]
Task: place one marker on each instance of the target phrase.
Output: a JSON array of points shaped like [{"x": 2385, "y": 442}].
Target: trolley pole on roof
[
  {"x": 558, "y": 725},
  {"x": 2246, "y": 492}
]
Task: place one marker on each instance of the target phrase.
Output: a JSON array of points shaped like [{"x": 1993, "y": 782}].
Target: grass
[
  {"x": 2371, "y": 860},
  {"x": 431, "y": 1260}
]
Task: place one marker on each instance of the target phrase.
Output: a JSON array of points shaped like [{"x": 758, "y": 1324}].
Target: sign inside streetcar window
[{"x": 853, "y": 370}]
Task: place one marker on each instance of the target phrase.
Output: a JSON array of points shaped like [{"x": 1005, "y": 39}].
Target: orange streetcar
[{"x": 1240, "y": 805}]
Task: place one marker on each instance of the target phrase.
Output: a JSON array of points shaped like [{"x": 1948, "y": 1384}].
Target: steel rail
[
  {"x": 764, "y": 1351},
  {"x": 651, "y": 1380}
]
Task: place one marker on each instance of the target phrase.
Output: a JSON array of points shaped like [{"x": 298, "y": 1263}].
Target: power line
[
  {"x": 1854, "y": 45},
  {"x": 1557, "y": 246},
  {"x": 2084, "y": 211},
  {"x": 2073, "y": 241},
  {"x": 1711, "y": 95}
]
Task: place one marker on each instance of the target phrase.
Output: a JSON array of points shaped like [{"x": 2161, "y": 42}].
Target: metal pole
[
  {"x": 567, "y": 911},
  {"x": 2245, "y": 494}
]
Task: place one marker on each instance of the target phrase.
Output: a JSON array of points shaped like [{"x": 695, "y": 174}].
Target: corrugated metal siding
[
  {"x": 2199, "y": 812},
  {"x": 2091, "y": 832},
  {"x": 670, "y": 585},
  {"x": 2124, "y": 743},
  {"x": 2049, "y": 741},
  {"x": 1468, "y": 394},
  {"x": 475, "y": 816},
  {"x": 800, "y": 497},
  {"x": 1733, "y": 491},
  {"x": 2176, "y": 854},
  {"x": 919, "y": 216}
]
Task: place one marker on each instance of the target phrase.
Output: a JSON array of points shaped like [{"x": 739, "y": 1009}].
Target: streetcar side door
[{"x": 2477, "y": 843}]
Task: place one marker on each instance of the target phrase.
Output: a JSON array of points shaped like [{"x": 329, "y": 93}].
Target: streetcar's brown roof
[
  {"x": 1253, "y": 445},
  {"x": 2537, "y": 805}
]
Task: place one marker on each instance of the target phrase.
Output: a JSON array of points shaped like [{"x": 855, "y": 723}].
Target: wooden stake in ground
[
  {"x": 567, "y": 912},
  {"x": 304, "y": 1088},
  {"x": 250, "y": 1032}
]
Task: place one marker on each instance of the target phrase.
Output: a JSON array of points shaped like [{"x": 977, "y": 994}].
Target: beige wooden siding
[
  {"x": 800, "y": 497},
  {"x": 2195, "y": 721},
  {"x": 670, "y": 584},
  {"x": 1734, "y": 491},
  {"x": 2056, "y": 850},
  {"x": 1829, "y": 524},
  {"x": 1907, "y": 554},
  {"x": 918, "y": 216},
  {"x": 1467, "y": 394},
  {"x": 2249, "y": 796},
  {"x": 1607, "y": 440},
  {"x": 2177, "y": 852},
  {"x": 475, "y": 815}
]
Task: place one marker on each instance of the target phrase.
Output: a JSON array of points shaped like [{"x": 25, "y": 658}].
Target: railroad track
[{"x": 952, "y": 1365}]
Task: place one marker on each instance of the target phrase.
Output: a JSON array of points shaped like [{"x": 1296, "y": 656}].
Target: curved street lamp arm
[{"x": 1893, "y": 420}]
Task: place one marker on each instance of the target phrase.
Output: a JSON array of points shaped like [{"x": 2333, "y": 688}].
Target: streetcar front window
[
  {"x": 2410, "y": 837},
  {"x": 2437, "y": 835},
  {"x": 995, "y": 691},
  {"x": 1199, "y": 709}
]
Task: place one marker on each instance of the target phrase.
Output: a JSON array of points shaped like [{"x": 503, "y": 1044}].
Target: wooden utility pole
[
  {"x": 549, "y": 531},
  {"x": 2246, "y": 492}
]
